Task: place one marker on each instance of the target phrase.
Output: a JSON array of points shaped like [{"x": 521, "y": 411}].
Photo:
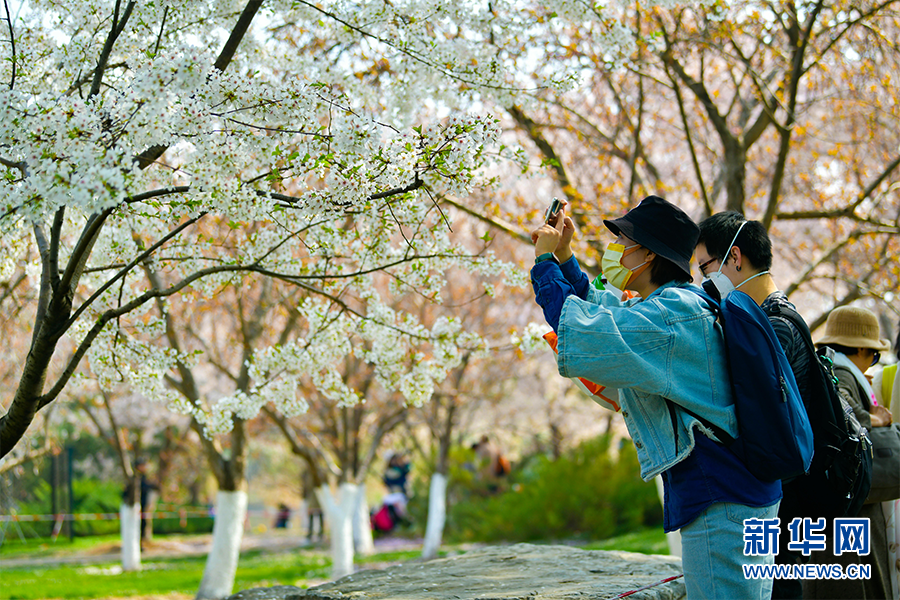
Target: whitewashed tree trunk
[
  {"x": 130, "y": 524},
  {"x": 673, "y": 537},
  {"x": 339, "y": 514},
  {"x": 362, "y": 524},
  {"x": 437, "y": 515},
  {"x": 228, "y": 530}
]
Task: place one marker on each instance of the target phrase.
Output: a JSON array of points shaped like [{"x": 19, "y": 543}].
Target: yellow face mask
[{"x": 616, "y": 274}]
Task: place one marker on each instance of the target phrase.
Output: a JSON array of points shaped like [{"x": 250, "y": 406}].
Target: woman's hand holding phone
[{"x": 555, "y": 234}]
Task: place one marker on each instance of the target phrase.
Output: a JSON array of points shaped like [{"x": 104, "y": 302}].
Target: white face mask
[{"x": 717, "y": 285}]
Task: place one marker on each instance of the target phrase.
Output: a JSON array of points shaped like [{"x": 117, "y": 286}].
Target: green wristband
[{"x": 546, "y": 256}]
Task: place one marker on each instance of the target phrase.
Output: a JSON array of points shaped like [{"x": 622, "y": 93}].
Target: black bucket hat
[{"x": 662, "y": 228}]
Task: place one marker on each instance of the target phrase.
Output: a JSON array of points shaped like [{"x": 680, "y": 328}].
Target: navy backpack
[{"x": 775, "y": 440}]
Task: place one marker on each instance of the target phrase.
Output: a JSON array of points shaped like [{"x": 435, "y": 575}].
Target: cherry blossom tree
[{"x": 123, "y": 131}]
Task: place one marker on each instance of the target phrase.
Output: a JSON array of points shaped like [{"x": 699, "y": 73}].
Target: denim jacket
[{"x": 665, "y": 346}]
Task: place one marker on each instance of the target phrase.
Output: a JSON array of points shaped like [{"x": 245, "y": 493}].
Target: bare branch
[
  {"x": 55, "y": 233},
  {"x": 10, "y": 287},
  {"x": 12, "y": 43},
  {"x": 824, "y": 258},
  {"x": 78, "y": 260},
  {"x": 11, "y": 463},
  {"x": 162, "y": 28},
  {"x": 503, "y": 226},
  {"x": 309, "y": 452},
  {"x": 848, "y": 211},
  {"x": 532, "y": 129},
  {"x": 707, "y": 203},
  {"x": 46, "y": 289},
  {"x": 237, "y": 34},
  {"x": 115, "y": 31}
]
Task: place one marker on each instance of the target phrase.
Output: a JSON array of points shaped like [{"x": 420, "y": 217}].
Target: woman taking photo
[{"x": 665, "y": 353}]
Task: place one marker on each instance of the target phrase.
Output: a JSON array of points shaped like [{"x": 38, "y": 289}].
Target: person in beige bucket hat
[
  {"x": 854, "y": 331},
  {"x": 854, "y": 335}
]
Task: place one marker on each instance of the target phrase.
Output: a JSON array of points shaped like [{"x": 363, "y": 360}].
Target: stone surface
[{"x": 518, "y": 572}]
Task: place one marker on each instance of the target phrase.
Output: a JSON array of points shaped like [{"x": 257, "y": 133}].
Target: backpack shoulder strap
[
  {"x": 720, "y": 433},
  {"x": 789, "y": 313}
]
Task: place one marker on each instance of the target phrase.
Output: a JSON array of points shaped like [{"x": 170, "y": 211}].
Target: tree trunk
[
  {"x": 437, "y": 515},
  {"x": 228, "y": 529},
  {"x": 362, "y": 525},
  {"x": 130, "y": 524},
  {"x": 340, "y": 522}
]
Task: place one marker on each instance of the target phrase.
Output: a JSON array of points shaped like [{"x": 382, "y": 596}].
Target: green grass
[
  {"x": 645, "y": 541},
  {"x": 159, "y": 576},
  {"x": 13, "y": 547}
]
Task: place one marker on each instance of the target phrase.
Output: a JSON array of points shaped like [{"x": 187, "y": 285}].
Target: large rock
[{"x": 519, "y": 572}]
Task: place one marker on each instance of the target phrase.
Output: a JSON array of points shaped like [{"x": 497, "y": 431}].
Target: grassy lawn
[
  {"x": 301, "y": 568},
  {"x": 645, "y": 541},
  {"x": 13, "y": 547},
  {"x": 171, "y": 576},
  {"x": 160, "y": 576}
]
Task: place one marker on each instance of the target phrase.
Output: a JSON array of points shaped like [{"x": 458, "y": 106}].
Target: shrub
[{"x": 590, "y": 492}]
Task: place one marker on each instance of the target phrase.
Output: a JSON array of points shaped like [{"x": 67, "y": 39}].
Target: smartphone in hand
[{"x": 552, "y": 211}]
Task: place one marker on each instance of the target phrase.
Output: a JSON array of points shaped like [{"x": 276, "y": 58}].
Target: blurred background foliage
[{"x": 593, "y": 491}]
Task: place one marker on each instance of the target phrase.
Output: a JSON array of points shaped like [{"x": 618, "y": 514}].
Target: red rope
[{"x": 652, "y": 585}]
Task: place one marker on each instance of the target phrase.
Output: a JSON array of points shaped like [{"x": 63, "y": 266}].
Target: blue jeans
[{"x": 712, "y": 548}]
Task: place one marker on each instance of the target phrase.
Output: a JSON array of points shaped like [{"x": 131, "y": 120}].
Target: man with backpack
[{"x": 734, "y": 253}]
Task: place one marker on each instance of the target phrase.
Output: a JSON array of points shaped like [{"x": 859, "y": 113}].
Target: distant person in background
[
  {"x": 493, "y": 466},
  {"x": 313, "y": 508},
  {"x": 283, "y": 516},
  {"x": 854, "y": 335},
  {"x": 396, "y": 474},
  {"x": 147, "y": 490},
  {"x": 396, "y": 480}
]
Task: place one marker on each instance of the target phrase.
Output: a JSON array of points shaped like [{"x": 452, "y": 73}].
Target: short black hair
[
  {"x": 717, "y": 231},
  {"x": 663, "y": 270}
]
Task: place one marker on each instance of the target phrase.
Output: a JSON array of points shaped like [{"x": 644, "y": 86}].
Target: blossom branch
[
  {"x": 333, "y": 277},
  {"x": 343, "y": 305},
  {"x": 416, "y": 56},
  {"x": 21, "y": 166},
  {"x": 115, "y": 313},
  {"x": 152, "y": 154},
  {"x": 127, "y": 268}
]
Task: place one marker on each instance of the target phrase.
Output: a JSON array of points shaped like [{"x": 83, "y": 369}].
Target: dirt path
[{"x": 198, "y": 545}]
